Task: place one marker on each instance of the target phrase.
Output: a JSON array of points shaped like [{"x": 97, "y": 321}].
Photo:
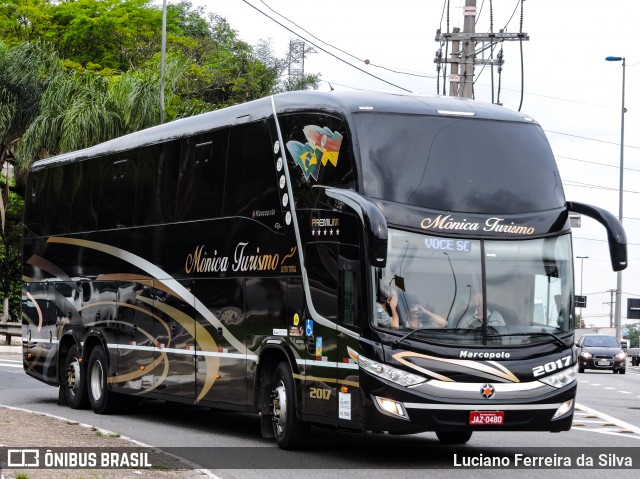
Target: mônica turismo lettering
[
  {"x": 244, "y": 259},
  {"x": 491, "y": 225}
]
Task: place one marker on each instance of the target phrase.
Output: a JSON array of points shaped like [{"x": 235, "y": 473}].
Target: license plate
[
  {"x": 604, "y": 363},
  {"x": 486, "y": 418}
]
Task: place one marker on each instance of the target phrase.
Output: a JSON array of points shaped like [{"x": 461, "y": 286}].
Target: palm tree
[{"x": 25, "y": 71}]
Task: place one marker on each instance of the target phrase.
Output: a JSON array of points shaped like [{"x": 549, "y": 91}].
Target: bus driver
[{"x": 474, "y": 315}]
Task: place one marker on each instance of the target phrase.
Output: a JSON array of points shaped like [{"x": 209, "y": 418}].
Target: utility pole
[
  {"x": 611, "y": 303},
  {"x": 464, "y": 60},
  {"x": 468, "y": 50}
]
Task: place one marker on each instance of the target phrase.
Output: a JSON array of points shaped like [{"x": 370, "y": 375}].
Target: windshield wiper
[
  {"x": 533, "y": 333},
  {"x": 405, "y": 336}
]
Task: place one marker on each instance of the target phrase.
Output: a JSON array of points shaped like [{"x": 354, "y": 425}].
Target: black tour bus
[{"x": 316, "y": 258}]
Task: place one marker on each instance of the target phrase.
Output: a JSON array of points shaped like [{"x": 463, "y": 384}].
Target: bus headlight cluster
[
  {"x": 562, "y": 378},
  {"x": 398, "y": 376}
]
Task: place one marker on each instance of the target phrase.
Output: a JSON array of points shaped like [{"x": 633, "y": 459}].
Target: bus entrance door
[{"x": 321, "y": 355}]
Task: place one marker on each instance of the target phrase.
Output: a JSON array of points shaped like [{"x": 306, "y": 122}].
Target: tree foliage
[
  {"x": 105, "y": 80},
  {"x": 74, "y": 73}
]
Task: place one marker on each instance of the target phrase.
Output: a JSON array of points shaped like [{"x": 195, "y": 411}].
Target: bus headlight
[
  {"x": 398, "y": 376},
  {"x": 564, "y": 408},
  {"x": 562, "y": 378}
]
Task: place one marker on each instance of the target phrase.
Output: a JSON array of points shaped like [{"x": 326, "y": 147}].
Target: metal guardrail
[{"x": 10, "y": 329}]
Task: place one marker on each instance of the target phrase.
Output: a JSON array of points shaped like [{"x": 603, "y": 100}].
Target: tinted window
[
  {"x": 321, "y": 261},
  {"x": 35, "y": 202},
  {"x": 454, "y": 164},
  {"x": 319, "y": 152},
  {"x": 53, "y": 214},
  {"x": 350, "y": 289},
  {"x": 84, "y": 196},
  {"x": 202, "y": 170},
  {"x": 118, "y": 186},
  {"x": 157, "y": 183},
  {"x": 251, "y": 187}
]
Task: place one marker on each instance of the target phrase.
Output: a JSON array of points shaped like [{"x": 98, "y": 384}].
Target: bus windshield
[
  {"x": 436, "y": 286},
  {"x": 458, "y": 164}
]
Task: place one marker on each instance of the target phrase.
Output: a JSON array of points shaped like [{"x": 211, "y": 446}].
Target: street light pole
[
  {"x": 581, "y": 258},
  {"x": 163, "y": 53},
  {"x": 618, "y": 317}
]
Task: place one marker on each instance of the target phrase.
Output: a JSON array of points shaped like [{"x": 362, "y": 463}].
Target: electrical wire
[
  {"x": 512, "y": 14},
  {"x": 626, "y": 168},
  {"x": 325, "y": 50},
  {"x": 420, "y": 75},
  {"x": 592, "y": 139}
]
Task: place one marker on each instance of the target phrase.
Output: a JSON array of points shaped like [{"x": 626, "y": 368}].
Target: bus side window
[
  {"x": 321, "y": 262},
  {"x": 52, "y": 205},
  {"x": 251, "y": 181},
  {"x": 202, "y": 168},
  {"x": 157, "y": 185},
  {"x": 35, "y": 206},
  {"x": 84, "y": 197},
  {"x": 118, "y": 184},
  {"x": 350, "y": 287}
]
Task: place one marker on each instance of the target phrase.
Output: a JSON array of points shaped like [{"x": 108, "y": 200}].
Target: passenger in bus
[
  {"x": 421, "y": 317},
  {"x": 386, "y": 314},
  {"x": 474, "y": 316}
]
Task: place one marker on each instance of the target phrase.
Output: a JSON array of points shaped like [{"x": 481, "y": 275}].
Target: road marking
[
  {"x": 624, "y": 429},
  {"x": 11, "y": 363}
]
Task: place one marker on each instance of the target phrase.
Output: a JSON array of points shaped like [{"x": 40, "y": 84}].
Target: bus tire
[
  {"x": 454, "y": 437},
  {"x": 101, "y": 399},
  {"x": 74, "y": 380},
  {"x": 289, "y": 431}
]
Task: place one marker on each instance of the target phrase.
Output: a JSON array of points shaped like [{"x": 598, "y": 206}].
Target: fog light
[
  {"x": 564, "y": 408},
  {"x": 391, "y": 407}
]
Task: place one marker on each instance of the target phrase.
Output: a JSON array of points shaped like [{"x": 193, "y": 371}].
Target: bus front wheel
[
  {"x": 454, "y": 437},
  {"x": 289, "y": 431},
  {"x": 102, "y": 400}
]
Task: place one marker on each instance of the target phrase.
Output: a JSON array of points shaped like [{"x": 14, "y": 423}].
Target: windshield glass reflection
[{"x": 434, "y": 285}]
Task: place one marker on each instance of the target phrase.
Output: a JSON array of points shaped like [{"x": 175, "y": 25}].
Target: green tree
[
  {"x": 10, "y": 250},
  {"x": 25, "y": 73},
  {"x": 634, "y": 336}
]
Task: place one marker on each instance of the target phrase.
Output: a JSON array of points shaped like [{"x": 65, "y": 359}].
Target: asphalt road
[{"x": 607, "y": 416}]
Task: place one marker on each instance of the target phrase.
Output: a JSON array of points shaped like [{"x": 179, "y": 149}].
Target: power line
[
  {"x": 600, "y": 240},
  {"x": 324, "y": 50},
  {"x": 367, "y": 62},
  {"x": 591, "y": 139},
  {"x": 626, "y": 168},
  {"x": 596, "y": 187}
]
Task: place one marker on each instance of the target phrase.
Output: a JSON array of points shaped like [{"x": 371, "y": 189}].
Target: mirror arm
[
  {"x": 615, "y": 231},
  {"x": 375, "y": 224}
]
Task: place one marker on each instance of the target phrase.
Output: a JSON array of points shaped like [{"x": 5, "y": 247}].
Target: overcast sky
[{"x": 569, "y": 88}]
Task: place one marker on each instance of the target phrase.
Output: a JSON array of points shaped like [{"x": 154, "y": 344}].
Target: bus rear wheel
[
  {"x": 454, "y": 437},
  {"x": 101, "y": 399},
  {"x": 289, "y": 431},
  {"x": 74, "y": 379}
]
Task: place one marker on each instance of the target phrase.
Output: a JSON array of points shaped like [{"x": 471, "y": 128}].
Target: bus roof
[{"x": 336, "y": 102}]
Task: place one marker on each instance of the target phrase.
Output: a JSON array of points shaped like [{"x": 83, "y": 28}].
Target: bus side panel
[
  {"x": 221, "y": 370},
  {"x": 41, "y": 346},
  {"x": 175, "y": 335},
  {"x": 136, "y": 338}
]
